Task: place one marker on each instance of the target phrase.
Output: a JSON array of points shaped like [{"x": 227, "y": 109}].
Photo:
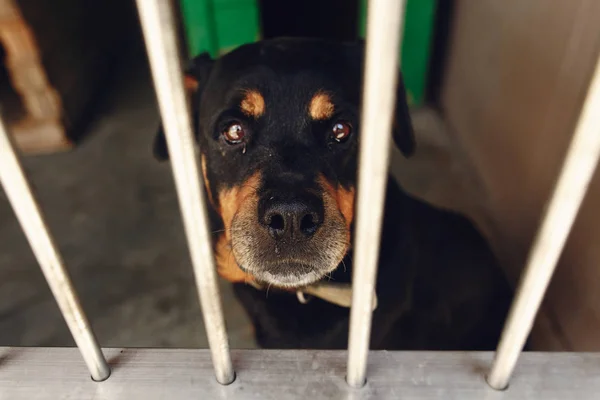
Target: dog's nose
[{"x": 294, "y": 219}]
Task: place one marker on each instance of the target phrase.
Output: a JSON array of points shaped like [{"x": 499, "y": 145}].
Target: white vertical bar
[
  {"x": 571, "y": 187},
  {"x": 384, "y": 29},
  {"x": 20, "y": 196},
  {"x": 160, "y": 33}
]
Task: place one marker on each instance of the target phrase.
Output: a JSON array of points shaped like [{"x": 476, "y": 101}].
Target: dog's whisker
[{"x": 267, "y": 292}]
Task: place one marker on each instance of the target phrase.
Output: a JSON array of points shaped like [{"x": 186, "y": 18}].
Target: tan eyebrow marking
[
  {"x": 253, "y": 103},
  {"x": 321, "y": 107}
]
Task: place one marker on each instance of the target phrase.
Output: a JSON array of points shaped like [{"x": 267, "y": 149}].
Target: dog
[{"x": 277, "y": 125}]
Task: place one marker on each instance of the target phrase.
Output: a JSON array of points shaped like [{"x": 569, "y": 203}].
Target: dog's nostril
[
  {"x": 276, "y": 222},
  {"x": 290, "y": 220},
  {"x": 308, "y": 224}
]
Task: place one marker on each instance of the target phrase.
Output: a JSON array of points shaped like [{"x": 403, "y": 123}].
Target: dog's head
[{"x": 278, "y": 128}]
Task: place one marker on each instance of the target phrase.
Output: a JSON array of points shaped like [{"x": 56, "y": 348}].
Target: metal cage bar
[
  {"x": 384, "y": 27},
  {"x": 572, "y": 184},
  {"x": 20, "y": 196},
  {"x": 160, "y": 34}
]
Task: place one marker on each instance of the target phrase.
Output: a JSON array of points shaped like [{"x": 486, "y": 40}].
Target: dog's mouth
[
  {"x": 288, "y": 261},
  {"x": 287, "y": 274},
  {"x": 286, "y": 237},
  {"x": 287, "y": 266}
]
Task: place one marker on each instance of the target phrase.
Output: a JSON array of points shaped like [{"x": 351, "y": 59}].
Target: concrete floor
[{"x": 114, "y": 214}]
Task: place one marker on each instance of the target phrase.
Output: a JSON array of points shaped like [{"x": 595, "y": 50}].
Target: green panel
[
  {"x": 237, "y": 23},
  {"x": 199, "y": 26},
  {"x": 416, "y": 45},
  {"x": 217, "y": 26}
]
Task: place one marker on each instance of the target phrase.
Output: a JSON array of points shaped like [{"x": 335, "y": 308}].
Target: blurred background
[{"x": 495, "y": 88}]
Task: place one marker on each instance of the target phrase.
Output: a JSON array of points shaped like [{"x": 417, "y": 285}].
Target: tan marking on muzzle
[
  {"x": 206, "y": 182},
  {"x": 230, "y": 203},
  {"x": 230, "y": 200},
  {"x": 344, "y": 199},
  {"x": 227, "y": 267}
]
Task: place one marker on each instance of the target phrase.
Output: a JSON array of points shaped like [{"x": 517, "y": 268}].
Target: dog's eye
[
  {"x": 340, "y": 131},
  {"x": 234, "y": 133}
]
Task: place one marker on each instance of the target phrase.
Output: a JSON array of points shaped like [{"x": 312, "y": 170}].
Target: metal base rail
[{"x": 161, "y": 374}]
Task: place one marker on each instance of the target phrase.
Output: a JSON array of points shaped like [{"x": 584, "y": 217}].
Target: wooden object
[
  {"x": 58, "y": 56},
  {"x": 39, "y": 127}
]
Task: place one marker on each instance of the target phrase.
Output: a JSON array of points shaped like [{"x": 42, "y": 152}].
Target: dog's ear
[
  {"x": 196, "y": 75},
  {"x": 404, "y": 136}
]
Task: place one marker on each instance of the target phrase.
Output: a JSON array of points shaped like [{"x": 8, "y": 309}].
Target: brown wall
[{"x": 516, "y": 76}]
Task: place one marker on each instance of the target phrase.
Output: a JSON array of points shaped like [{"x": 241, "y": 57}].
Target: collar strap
[{"x": 339, "y": 294}]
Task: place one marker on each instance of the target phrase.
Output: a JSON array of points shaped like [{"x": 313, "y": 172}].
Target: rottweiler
[{"x": 277, "y": 125}]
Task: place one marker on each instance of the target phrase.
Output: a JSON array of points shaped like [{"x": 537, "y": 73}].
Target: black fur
[{"x": 438, "y": 285}]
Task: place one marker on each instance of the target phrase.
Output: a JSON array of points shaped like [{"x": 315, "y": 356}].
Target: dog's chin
[{"x": 288, "y": 275}]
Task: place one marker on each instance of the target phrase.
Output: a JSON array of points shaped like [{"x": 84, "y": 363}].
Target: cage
[{"x": 490, "y": 79}]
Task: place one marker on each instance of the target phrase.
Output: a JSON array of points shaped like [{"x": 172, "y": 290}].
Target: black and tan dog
[{"x": 278, "y": 131}]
